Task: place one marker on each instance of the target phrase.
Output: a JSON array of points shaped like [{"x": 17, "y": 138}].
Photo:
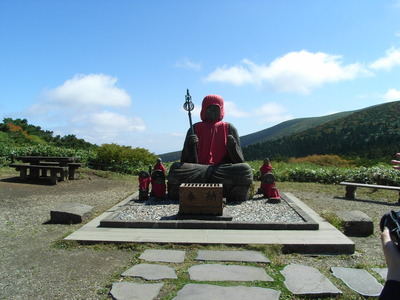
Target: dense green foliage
[
  {"x": 372, "y": 132},
  {"x": 122, "y": 159},
  {"x": 19, "y": 138},
  {"x": 382, "y": 174}
]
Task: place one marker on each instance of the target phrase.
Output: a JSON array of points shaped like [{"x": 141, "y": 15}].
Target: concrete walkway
[{"x": 327, "y": 239}]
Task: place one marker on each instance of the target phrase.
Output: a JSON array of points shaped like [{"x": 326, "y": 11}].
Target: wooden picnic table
[
  {"x": 57, "y": 165},
  {"x": 34, "y": 160}
]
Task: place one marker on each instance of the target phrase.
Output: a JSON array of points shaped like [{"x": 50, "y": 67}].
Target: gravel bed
[{"x": 254, "y": 210}]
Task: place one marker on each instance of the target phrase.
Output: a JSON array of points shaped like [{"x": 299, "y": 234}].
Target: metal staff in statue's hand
[{"x": 189, "y": 106}]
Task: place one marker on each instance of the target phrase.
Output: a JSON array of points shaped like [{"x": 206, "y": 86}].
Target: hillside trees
[
  {"x": 19, "y": 138},
  {"x": 20, "y": 133},
  {"x": 371, "y": 133}
]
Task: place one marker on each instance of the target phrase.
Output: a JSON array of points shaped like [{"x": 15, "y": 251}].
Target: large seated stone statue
[{"x": 212, "y": 155}]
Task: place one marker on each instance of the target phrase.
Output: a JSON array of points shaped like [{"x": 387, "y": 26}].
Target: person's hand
[
  {"x": 392, "y": 255},
  {"x": 396, "y": 162},
  {"x": 192, "y": 139}
]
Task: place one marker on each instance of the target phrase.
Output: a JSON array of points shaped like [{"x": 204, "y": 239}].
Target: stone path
[{"x": 300, "y": 280}]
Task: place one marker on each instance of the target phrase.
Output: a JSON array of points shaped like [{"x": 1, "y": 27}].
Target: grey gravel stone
[
  {"x": 207, "y": 292},
  {"x": 217, "y": 272},
  {"x": 151, "y": 272},
  {"x": 253, "y": 210},
  {"x": 247, "y": 256},
  {"x": 305, "y": 280},
  {"x": 358, "y": 280},
  {"x": 171, "y": 256},
  {"x": 134, "y": 291}
]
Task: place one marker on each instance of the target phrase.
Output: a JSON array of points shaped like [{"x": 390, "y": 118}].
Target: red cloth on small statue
[
  {"x": 266, "y": 168},
  {"x": 269, "y": 190},
  {"x": 159, "y": 190},
  {"x": 212, "y": 134},
  {"x": 144, "y": 183},
  {"x": 161, "y": 167}
]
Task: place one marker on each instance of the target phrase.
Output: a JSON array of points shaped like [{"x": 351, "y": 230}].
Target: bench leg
[
  {"x": 44, "y": 172},
  {"x": 398, "y": 200},
  {"x": 22, "y": 173},
  {"x": 71, "y": 173},
  {"x": 34, "y": 173},
  {"x": 350, "y": 192},
  {"x": 62, "y": 175},
  {"x": 53, "y": 176}
]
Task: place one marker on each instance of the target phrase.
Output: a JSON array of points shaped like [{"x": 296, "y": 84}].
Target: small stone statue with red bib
[
  {"x": 158, "y": 187},
  {"x": 268, "y": 182}
]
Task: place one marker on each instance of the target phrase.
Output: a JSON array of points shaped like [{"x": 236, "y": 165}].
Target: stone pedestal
[{"x": 356, "y": 223}]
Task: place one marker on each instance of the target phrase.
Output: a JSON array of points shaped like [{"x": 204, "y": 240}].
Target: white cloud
[
  {"x": 90, "y": 106},
  {"x": 272, "y": 113},
  {"x": 231, "y": 110},
  {"x": 111, "y": 121},
  {"x": 237, "y": 75},
  {"x": 105, "y": 127},
  {"x": 89, "y": 90},
  {"x": 392, "y": 95},
  {"x": 298, "y": 72},
  {"x": 391, "y": 59},
  {"x": 187, "y": 64}
]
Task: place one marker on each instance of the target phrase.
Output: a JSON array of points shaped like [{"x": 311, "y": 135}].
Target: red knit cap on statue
[{"x": 212, "y": 100}]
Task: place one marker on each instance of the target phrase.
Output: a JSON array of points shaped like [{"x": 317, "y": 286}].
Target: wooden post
[{"x": 350, "y": 192}]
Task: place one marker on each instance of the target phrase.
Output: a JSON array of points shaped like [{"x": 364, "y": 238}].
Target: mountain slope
[
  {"x": 370, "y": 132},
  {"x": 288, "y": 128}
]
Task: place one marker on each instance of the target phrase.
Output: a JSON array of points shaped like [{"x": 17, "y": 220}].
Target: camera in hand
[{"x": 391, "y": 220}]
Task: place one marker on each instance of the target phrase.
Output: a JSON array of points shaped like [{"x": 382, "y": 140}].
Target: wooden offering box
[{"x": 201, "y": 198}]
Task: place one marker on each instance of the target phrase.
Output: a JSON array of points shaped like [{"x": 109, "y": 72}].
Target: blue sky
[{"x": 116, "y": 71}]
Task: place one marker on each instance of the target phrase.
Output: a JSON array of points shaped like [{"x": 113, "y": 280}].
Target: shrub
[
  {"x": 322, "y": 160},
  {"x": 122, "y": 159}
]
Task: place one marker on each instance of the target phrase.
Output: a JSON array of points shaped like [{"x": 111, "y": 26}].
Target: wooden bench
[
  {"x": 34, "y": 171},
  {"x": 351, "y": 188},
  {"x": 71, "y": 168}
]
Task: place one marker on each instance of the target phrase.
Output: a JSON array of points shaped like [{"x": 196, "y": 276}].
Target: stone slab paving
[
  {"x": 207, "y": 292},
  {"x": 299, "y": 279},
  {"x": 217, "y": 272},
  {"x": 382, "y": 272},
  {"x": 358, "y": 280},
  {"x": 151, "y": 272},
  {"x": 169, "y": 256},
  {"x": 308, "y": 281},
  {"x": 130, "y": 290},
  {"x": 239, "y": 256}
]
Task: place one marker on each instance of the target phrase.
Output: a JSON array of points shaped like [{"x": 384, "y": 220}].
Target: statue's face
[{"x": 213, "y": 113}]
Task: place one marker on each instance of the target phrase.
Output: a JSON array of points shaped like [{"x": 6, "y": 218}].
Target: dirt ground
[{"x": 33, "y": 268}]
